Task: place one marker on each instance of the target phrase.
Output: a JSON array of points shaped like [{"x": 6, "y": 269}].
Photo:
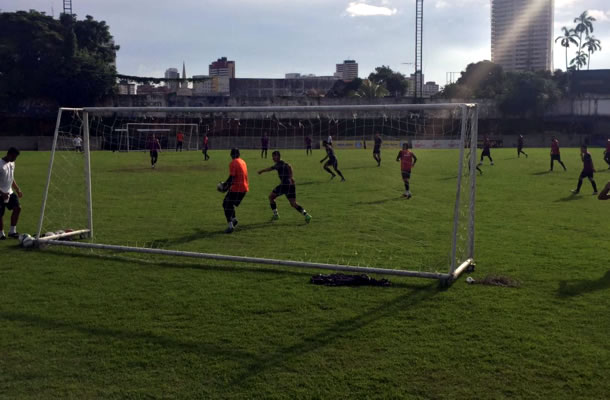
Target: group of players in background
[{"x": 237, "y": 184}]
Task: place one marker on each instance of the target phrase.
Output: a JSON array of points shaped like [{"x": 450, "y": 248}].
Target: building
[
  {"x": 347, "y": 71},
  {"x": 267, "y": 88},
  {"x": 172, "y": 73},
  {"x": 126, "y": 88},
  {"x": 222, "y": 67},
  {"x": 522, "y": 34},
  {"x": 429, "y": 88}
]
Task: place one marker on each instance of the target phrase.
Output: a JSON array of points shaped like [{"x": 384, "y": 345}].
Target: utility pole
[
  {"x": 419, "y": 45},
  {"x": 68, "y": 7}
]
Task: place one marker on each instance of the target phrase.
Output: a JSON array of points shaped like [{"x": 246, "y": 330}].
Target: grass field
[{"x": 93, "y": 324}]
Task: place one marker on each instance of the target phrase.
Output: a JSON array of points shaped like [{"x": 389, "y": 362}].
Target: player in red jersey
[
  {"x": 407, "y": 161},
  {"x": 179, "y": 141},
  {"x": 587, "y": 170},
  {"x": 237, "y": 185},
  {"x": 555, "y": 155},
  {"x": 206, "y": 146}
]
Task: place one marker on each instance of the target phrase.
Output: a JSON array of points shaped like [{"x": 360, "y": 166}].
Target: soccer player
[
  {"x": 486, "y": 151},
  {"x": 264, "y": 144},
  {"x": 205, "y": 148},
  {"x": 555, "y": 154},
  {"x": 587, "y": 170},
  {"x": 407, "y": 161},
  {"x": 179, "y": 140},
  {"x": 332, "y": 161},
  {"x": 155, "y": 148},
  {"x": 520, "y": 147},
  {"x": 78, "y": 143},
  {"x": 377, "y": 149},
  {"x": 329, "y": 139},
  {"x": 237, "y": 185},
  {"x": 607, "y": 153},
  {"x": 286, "y": 186},
  {"x": 308, "y": 150},
  {"x": 605, "y": 193},
  {"x": 8, "y": 198}
]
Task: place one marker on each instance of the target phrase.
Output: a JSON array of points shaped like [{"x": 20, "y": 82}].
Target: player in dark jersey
[
  {"x": 206, "y": 146},
  {"x": 587, "y": 170},
  {"x": 154, "y": 147},
  {"x": 520, "y": 147},
  {"x": 377, "y": 149},
  {"x": 287, "y": 186},
  {"x": 264, "y": 144},
  {"x": 332, "y": 161},
  {"x": 407, "y": 161},
  {"x": 308, "y": 150},
  {"x": 555, "y": 154},
  {"x": 607, "y": 153},
  {"x": 486, "y": 151}
]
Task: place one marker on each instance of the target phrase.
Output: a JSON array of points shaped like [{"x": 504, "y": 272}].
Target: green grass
[{"x": 83, "y": 324}]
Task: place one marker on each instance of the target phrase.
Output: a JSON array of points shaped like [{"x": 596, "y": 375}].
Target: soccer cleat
[
  {"x": 480, "y": 164},
  {"x": 229, "y": 230},
  {"x": 333, "y": 177},
  {"x": 235, "y": 222},
  {"x": 409, "y": 195},
  {"x": 3, "y": 237},
  {"x": 342, "y": 179},
  {"x": 575, "y": 191},
  {"x": 307, "y": 218},
  {"x": 492, "y": 163},
  {"x": 594, "y": 192},
  {"x": 275, "y": 217},
  {"x": 14, "y": 235}
]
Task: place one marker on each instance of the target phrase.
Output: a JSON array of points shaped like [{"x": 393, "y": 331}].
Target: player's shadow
[
  {"x": 380, "y": 201},
  {"x": 201, "y": 234},
  {"x": 541, "y": 172},
  {"x": 448, "y": 178},
  {"x": 571, "y": 197},
  {"x": 576, "y": 287},
  {"x": 309, "y": 183}
]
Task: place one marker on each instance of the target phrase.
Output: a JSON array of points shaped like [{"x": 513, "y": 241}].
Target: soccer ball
[
  {"x": 470, "y": 279},
  {"x": 221, "y": 187},
  {"x": 22, "y": 237},
  {"x": 28, "y": 242}
]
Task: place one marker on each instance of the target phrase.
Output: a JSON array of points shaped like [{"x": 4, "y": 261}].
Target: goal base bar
[
  {"x": 66, "y": 235},
  {"x": 268, "y": 261}
]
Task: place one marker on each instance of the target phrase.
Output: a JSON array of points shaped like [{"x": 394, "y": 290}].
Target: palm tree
[
  {"x": 592, "y": 45},
  {"x": 580, "y": 60},
  {"x": 370, "y": 90},
  {"x": 584, "y": 24},
  {"x": 569, "y": 37}
]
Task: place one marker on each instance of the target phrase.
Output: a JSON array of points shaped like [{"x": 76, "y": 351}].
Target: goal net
[{"x": 116, "y": 195}]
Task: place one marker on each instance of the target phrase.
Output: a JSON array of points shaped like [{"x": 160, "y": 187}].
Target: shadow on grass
[
  {"x": 337, "y": 331},
  {"x": 541, "y": 172},
  {"x": 381, "y": 201},
  {"x": 571, "y": 197},
  {"x": 200, "y": 234},
  {"x": 576, "y": 287}
]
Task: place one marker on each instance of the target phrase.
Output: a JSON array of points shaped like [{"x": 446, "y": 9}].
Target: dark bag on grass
[{"x": 347, "y": 280}]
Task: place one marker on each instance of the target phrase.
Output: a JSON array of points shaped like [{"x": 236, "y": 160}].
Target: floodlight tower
[
  {"x": 419, "y": 44},
  {"x": 68, "y": 7}
]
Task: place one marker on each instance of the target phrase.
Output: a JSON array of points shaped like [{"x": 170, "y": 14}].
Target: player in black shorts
[
  {"x": 332, "y": 161},
  {"x": 486, "y": 151},
  {"x": 286, "y": 186},
  {"x": 520, "y": 147},
  {"x": 587, "y": 170},
  {"x": 377, "y": 149}
]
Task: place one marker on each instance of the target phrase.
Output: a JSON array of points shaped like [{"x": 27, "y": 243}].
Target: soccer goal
[{"x": 109, "y": 199}]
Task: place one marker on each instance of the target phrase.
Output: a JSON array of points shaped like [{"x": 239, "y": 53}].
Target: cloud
[
  {"x": 361, "y": 9},
  {"x": 600, "y": 15},
  {"x": 439, "y": 4}
]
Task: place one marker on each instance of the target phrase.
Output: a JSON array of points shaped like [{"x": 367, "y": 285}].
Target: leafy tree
[
  {"x": 65, "y": 61},
  {"x": 584, "y": 27},
  {"x": 370, "y": 90},
  {"x": 342, "y": 88},
  {"x": 528, "y": 93},
  {"x": 568, "y": 38},
  {"x": 580, "y": 60},
  {"x": 395, "y": 82},
  {"x": 592, "y": 45},
  {"x": 483, "y": 79}
]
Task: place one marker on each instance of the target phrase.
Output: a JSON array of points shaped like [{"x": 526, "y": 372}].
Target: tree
[
  {"x": 481, "y": 80},
  {"x": 64, "y": 61},
  {"x": 584, "y": 26},
  {"x": 343, "y": 89},
  {"x": 528, "y": 93},
  {"x": 580, "y": 60},
  {"x": 592, "y": 45},
  {"x": 370, "y": 90},
  {"x": 395, "y": 82},
  {"x": 569, "y": 37}
]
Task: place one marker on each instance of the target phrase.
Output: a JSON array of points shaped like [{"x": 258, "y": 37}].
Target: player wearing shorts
[
  {"x": 407, "y": 161},
  {"x": 486, "y": 151},
  {"x": 520, "y": 147},
  {"x": 555, "y": 154},
  {"x": 237, "y": 185},
  {"x": 264, "y": 144},
  {"x": 308, "y": 150},
  {"x": 154, "y": 147},
  {"x": 587, "y": 170},
  {"x": 377, "y": 149},
  {"x": 332, "y": 161},
  {"x": 286, "y": 187},
  {"x": 179, "y": 141},
  {"x": 205, "y": 148},
  {"x": 10, "y": 193}
]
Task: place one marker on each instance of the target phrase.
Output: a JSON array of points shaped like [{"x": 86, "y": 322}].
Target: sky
[{"x": 269, "y": 38}]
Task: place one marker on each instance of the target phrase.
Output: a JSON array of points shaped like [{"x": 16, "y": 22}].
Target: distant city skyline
[{"x": 268, "y": 39}]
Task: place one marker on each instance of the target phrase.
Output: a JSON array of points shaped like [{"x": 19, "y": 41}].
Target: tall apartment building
[
  {"x": 347, "y": 71},
  {"x": 222, "y": 67},
  {"x": 172, "y": 73},
  {"x": 522, "y": 34}
]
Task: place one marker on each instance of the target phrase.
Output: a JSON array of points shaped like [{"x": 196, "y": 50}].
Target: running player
[
  {"x": 155, "y": 148},
  {"x": 555, "y": 154},
  {"x": 407, "y": 161},
  {"x": 179, "y": 140},
  {"x": 377, "y": 149},
  {"x": 520, "y": 147},
  {"x": 332, "y": 161},
  {"x": 286, "y": 186},
  {"x": 237, "y": 186},
  {"x": 308, "y": 150},
  {"x": 607, "y": 153},
  {"x": 264, "y": 144},
  {"x": 205, "y": 148},
  {"x": 587, "y": 170},
  {"x": 486, "y": 151}
]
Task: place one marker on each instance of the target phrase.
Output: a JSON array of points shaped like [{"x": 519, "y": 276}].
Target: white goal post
[{"x": 451, "y": 125}]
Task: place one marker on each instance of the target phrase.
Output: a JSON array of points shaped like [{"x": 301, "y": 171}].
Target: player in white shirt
[
  {"x": 78, "y": 143},
  {"x": 9, "y": 198}
]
